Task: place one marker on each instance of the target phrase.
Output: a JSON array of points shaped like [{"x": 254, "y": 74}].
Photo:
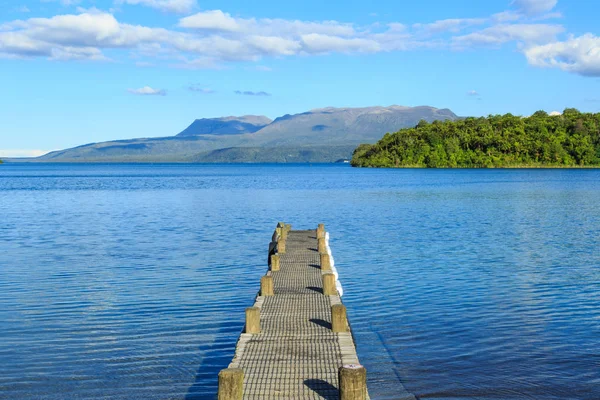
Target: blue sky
[{"x": 81, "y": 71}]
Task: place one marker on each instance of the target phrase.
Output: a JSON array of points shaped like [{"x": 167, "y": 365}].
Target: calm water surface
[{"x": 130, "y": 281}]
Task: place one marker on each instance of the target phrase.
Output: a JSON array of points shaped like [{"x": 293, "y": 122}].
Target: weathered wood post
[
  {"x": 282, "y": 231},
  {"x": 325, "y": 262},
  {"x": 266, "y": 286},
  {"x": 322, "y": 246},
  {"x": 353, "y": 382},
  {"x": 253, "y": 320},
  {"x": 275, "y": 262},
  {"x": 281, "y": 246},
  {"x": 321, "y": 231},
  {"x": 288, "y": 227},
  {"x": 329, "y": 288},
  {"x": 339, "y": 320},
  {"x": 277, "y": 234},
  {"x": 231, "y": 384}
]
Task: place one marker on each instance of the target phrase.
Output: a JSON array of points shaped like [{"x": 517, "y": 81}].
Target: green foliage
[{"x": 571, "y": 139}]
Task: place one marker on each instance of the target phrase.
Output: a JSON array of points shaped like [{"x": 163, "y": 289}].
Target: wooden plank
[{"x": 296, "y": 354}]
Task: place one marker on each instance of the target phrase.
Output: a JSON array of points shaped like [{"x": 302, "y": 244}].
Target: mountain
[
  {"x": 318, "y": 135},
  {"x": 226, "y": 125},
  {"x": 297, "y": 154},
  {"x": 336, "y": 126}
]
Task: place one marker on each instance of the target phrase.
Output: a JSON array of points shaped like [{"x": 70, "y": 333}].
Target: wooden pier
[{"x": 297, "y": 342}]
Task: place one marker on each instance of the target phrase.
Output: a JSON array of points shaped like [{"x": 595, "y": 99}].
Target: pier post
[
  {"x": 281, "y": 246},
  {"x": 266, "y": 286},
  {"x": 321, "y": 231},
  {"x": 231, "y": 384},
  {"x": 288, "y": 227},
  {"x": 275, "y": 262},
  {"x": 253, "y": 320},
  {"x": 322, "y": 246},
  {"x": 353, "y": 382},
  {"x": 325, "y": 262},
  {"x": 339, "y": 320},
  {"x": 278, "y": 234},
  {"x": 329, "y": 288}
]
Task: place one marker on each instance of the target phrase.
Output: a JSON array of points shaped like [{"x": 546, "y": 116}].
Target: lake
[{"x": 130, "y": 281}]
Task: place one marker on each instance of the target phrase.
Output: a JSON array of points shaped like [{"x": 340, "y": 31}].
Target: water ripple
[{"x": 130, "y": 281}]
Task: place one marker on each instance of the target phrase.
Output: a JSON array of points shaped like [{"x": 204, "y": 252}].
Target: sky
[{"x": 80, "y": 71}]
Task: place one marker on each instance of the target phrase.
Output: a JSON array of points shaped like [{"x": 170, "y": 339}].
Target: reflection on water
[{"x": 130, "y": 281}]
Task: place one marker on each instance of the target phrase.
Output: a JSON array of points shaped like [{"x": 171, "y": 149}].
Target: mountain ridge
[
  {"x": 316, "y": 131},
  {"x": 226, "y": 125}
]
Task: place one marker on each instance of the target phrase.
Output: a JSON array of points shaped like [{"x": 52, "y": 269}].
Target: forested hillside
[{"x": 541, "y": 140}]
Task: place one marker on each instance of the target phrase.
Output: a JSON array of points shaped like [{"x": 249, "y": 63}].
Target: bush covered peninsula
[{"x": 571, "y": 139}]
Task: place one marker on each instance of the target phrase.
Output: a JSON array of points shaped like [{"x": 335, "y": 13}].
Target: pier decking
[{"x": 297, "y": 342}]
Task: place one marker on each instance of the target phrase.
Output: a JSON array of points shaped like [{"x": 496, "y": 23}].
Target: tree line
[{"x": 541, "y": 140}]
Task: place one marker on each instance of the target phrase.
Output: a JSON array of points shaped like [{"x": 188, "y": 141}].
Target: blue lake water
[{"x": 130, "y": 281}]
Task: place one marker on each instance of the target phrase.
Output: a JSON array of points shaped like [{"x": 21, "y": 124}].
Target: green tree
[{"x": 570, "y": 139}]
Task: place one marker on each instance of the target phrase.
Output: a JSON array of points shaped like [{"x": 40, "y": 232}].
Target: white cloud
[
  {"x": 148, "y": 91},
  {"x": 472, "y": 93},
  {"x": 67, "y": 53},
  {"x": 217, "y": 20},
  {"x": 554, "y": 113},
  {"x": 197, "y": 63},
  {"x": 65, "y": 3},
  {"x": 396, "y": 27},
  {"x": 318, "y": 43},
  {"x": 90, "y": 10},
  {"x": 552, "y": 15},
  {"x": 250, "y": 38},
  {"x": 527, "y": 9},
  {"x": 174, "y": 6},
  {"x": 579, "y": 55},
  {"x": 211, "y": 20},
  {"x": 507, "y": 16},
  {"x": 22, "y": 9},
  {"x": 6, "y": 153},
  {"x": 78, "y": 30},
  {"x": 449, "y": 25},
  {"x": 250, "y": 93},
  {"x": 213, "y": 39},
  {"x": 200, "y": 89},
  {"x": 274, "y": 45},
  {"x": 75, "y": 36},
  {"x": 499, "y": 34},
  {"x": 534, "y": 7}
]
